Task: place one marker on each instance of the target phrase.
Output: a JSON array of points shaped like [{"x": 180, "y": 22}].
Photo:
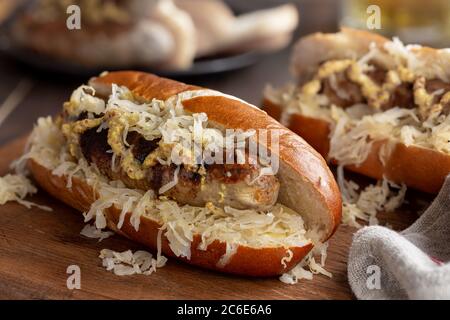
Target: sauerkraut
[
  {"x": 90, "y": 231},
  {"x": 15, "y": 187},
  {"x": 365, "y": 204},
  {"x": 128, "y": 263},
  {"x": 308, "y": 266}
]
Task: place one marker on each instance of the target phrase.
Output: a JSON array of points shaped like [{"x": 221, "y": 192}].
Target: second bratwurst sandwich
[
  {"x": 157, "y": 161},
  {"x": 376, "y": 106}
]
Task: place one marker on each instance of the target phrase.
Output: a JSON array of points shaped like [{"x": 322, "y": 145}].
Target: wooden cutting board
[{"x": 36, "y": 248}]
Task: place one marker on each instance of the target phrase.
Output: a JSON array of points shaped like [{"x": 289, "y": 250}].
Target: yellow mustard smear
[{"x": 117, "y": 123}]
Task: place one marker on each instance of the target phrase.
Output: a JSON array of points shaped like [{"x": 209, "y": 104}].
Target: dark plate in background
[{"x": 202, "y": 66}]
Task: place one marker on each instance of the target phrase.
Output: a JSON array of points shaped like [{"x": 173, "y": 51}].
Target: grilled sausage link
[{"x": 235, "y": 185}]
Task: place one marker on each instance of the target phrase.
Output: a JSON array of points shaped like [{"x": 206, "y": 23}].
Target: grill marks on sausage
[
  {"x": 377, "y": 75},
  {"x": 160, "y": 175},
  {"x": 228, "y": 173},
  {"x": 403, "y": 96},
  {"x": 352, "y": 91},
  {"x": 435, "y": 85},
  {"x": 141, "y": 147},
  {"x": 95, "y": 149}
]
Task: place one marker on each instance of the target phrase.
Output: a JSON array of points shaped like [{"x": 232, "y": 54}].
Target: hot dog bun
[
  {"x": 307, "y": 185},
  {"x": 418, "y": 167}
]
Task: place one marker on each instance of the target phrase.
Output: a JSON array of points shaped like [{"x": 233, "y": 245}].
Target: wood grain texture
[{"x": 36, "y": 247}]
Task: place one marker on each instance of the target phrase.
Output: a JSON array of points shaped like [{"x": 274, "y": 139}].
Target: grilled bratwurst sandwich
[
  {"x": 121, "y": 151},
  {"x": 373, "y": 105}
]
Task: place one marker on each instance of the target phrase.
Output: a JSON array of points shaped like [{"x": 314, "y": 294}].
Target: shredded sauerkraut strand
[
  {"x": 363, "y": 205},
  {"x": 15, "y": 187},
  {"x": 308, "y": 266},
  {"x": 90, "y": 231},
  {"x": 129, "y": 263}
]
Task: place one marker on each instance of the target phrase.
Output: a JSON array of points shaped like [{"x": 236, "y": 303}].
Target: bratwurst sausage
[{"x": 237, "y": 185}]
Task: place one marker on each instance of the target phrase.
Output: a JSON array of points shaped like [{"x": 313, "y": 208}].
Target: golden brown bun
[
  {"x": 419, "y": 168},
  {"x": 146, "y": 85},
  {"x": 307, "y": 184}
]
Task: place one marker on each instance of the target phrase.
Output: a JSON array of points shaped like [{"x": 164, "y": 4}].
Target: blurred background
[{"x": 233, "y": 46}]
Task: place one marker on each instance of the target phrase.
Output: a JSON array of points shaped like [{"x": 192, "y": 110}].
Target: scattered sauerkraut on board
[
  {"x": 129, "y": 263},
  {"x": 15, "y": 187},
  {"x": 308, "y": 266},
  {"x": 90, "y": 231},
  {"x": 365, "y": 204}
]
